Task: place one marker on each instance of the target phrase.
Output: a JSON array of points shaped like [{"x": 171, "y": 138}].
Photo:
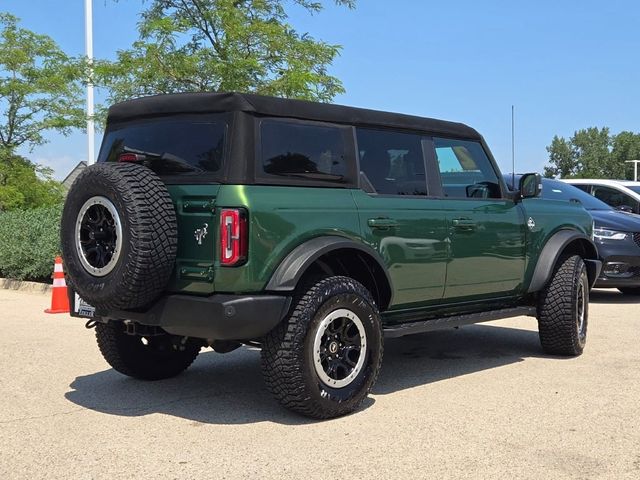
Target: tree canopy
[
  {"x": 593, "y": 153},
  {"x": 40, "y": 87},
  {"x": 222, "y": 45},
  {"x": 26, "y": 185},
  {"x": 40, "y": 91}
]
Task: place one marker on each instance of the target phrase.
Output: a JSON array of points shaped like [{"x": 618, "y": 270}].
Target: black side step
[{"x": 456, "y": 321}]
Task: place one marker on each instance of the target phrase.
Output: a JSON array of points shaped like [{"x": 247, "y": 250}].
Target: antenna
[{"x": 513, "y": 148}]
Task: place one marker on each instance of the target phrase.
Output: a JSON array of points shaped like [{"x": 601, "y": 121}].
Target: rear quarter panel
[{"x": 281, "y": 218}]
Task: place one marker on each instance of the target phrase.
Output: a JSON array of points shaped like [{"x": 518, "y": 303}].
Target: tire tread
[{"x": 557, "y": 306}]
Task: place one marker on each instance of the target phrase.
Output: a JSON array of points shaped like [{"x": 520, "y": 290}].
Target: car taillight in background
[{"x": 233, "y": 236}]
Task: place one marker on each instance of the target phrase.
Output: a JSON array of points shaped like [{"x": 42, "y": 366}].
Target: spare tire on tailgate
[{"x": 119, "y": 236}]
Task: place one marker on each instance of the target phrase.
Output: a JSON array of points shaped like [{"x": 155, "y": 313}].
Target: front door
[{"x": 486, "y": 232}]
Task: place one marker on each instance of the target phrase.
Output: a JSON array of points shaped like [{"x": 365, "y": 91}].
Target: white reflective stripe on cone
[
  {"x": 57, "y": 267},
  {"x": 59, "y": 282}
]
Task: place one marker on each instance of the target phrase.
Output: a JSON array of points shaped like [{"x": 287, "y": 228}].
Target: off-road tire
[
  {"x": 287, "y": 351},
  {"x": 149, "y": 236},
  {"x": 561, "y": 332},
  {"x": 633, "y": 291},
  {"x": 162, "y": 357}
]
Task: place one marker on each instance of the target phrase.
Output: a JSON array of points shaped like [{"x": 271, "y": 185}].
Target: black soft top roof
[{"x": 280, "y": 107}]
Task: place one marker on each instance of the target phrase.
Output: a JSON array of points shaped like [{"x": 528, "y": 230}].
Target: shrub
[{"x": 29, "y": 242}]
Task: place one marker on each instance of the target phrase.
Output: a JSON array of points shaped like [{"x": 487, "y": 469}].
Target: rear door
[
  {"x": 486, "y": 232},
  {"x": 397, "y": 217}
]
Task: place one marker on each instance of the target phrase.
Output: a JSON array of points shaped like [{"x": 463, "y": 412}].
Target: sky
[{"x": 564, "y": 65}]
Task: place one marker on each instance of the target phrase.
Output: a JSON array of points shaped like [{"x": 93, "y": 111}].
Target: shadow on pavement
[
  {"x": 228, "y": 389},
  {"x": 432, "y": 357},
  {"x": 611, "y": 295}
]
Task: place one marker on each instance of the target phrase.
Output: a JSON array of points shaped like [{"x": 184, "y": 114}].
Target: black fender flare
[
  {"x": 552, "y": 251},
  {"x": 292, "y": 268}
]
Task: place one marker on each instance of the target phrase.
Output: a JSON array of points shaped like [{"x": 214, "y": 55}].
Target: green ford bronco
[{"x": 312, "y": 231}]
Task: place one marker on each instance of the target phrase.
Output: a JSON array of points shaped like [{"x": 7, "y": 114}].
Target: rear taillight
[{"x": 233, "y": 236}]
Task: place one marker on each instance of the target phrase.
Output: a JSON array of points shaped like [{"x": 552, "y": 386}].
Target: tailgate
[{"x": 197, "y": 230}]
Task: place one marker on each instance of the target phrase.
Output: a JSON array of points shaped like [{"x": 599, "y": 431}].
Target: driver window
[{"x": 465, "y": 170}]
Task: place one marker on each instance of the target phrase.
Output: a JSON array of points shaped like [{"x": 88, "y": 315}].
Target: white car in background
[{"x": 621, "y": 194}]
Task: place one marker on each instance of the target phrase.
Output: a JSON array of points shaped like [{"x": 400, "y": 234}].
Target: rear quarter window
[{"x": 297, "y": 151}]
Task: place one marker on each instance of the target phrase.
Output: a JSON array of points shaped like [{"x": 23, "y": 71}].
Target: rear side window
[
  {"x": 392, "y": 162},
  {"x": 465, "y": 170},
  {"x": 614, "y": 198},
  {"x": 169, "y": 147},
  {"x": 303, "y": 150}
]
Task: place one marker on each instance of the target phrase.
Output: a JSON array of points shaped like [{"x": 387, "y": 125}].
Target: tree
[
  {"x": 587, "y": 154},
  {"x": 26, "y": 185},
  {"x": 561, "y": 159},
  {"x": 40, "y": 87},
  {"x": 592, "y": 151},
  {"x": 222, "y": 45},
  {"x": 626, "y": 146}
]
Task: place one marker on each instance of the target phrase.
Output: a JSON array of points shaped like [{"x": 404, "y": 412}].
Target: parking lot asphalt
[{"x": 477, "y": 402}]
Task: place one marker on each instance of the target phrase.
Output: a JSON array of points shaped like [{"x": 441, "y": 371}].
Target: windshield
[
  {"x": 634, "y": 188},
  {"x": 176, "y": 146},
  {"x": 556, "y": 190}
]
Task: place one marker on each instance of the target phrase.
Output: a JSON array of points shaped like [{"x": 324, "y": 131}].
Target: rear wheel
[
  {"x": 634, "y": 291},
  {"x": 563, "y": 308},
  {"x": 323, "y": 360},
  {"x": 152, "y": 357}
]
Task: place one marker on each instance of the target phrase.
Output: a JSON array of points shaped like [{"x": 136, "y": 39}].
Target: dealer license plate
[{"x": 81, "y": 308}]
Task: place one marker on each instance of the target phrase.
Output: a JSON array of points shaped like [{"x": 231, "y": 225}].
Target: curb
[{"x": 22, "y": 286}]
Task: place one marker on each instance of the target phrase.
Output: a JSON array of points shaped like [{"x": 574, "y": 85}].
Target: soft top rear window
[{"x": 169, "y": 146}]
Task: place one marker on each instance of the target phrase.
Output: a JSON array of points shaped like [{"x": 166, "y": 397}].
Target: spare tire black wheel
[{"x": 119, "y": 236}]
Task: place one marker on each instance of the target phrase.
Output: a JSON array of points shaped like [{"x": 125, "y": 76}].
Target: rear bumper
[{"x": 217, "y": 317}]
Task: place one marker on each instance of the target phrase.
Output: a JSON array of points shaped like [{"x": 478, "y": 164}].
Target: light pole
[
  {"x": 88, "y": 38},
  {"x": 635, "y": 168}
]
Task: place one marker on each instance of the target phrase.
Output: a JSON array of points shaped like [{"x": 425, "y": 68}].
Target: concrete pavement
[{"x": 479, "y": 402}]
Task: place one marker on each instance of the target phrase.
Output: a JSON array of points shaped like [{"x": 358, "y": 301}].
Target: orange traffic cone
[{"x": 59, "y": 299}]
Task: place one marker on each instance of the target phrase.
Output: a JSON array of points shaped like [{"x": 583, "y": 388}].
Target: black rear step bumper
[{"x": 218, "y": 317}]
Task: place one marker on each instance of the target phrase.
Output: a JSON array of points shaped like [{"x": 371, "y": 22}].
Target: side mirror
[
  {"x": 530, "y": 185},
  {"x": 625, "y": 208}
]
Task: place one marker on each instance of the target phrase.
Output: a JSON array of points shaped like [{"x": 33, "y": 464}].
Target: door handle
[
  {"x": 382, "y": 223},
  {"x": 463, "y": 224}
]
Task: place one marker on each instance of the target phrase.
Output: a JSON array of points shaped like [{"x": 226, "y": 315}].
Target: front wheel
[
  {"x": 323, "y": 360},
  {"x": 153, "y": 357},
  {"x": 563, "y": 308}
]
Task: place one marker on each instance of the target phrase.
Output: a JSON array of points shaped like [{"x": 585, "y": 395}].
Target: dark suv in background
[{"x": 616, "y": 234}]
